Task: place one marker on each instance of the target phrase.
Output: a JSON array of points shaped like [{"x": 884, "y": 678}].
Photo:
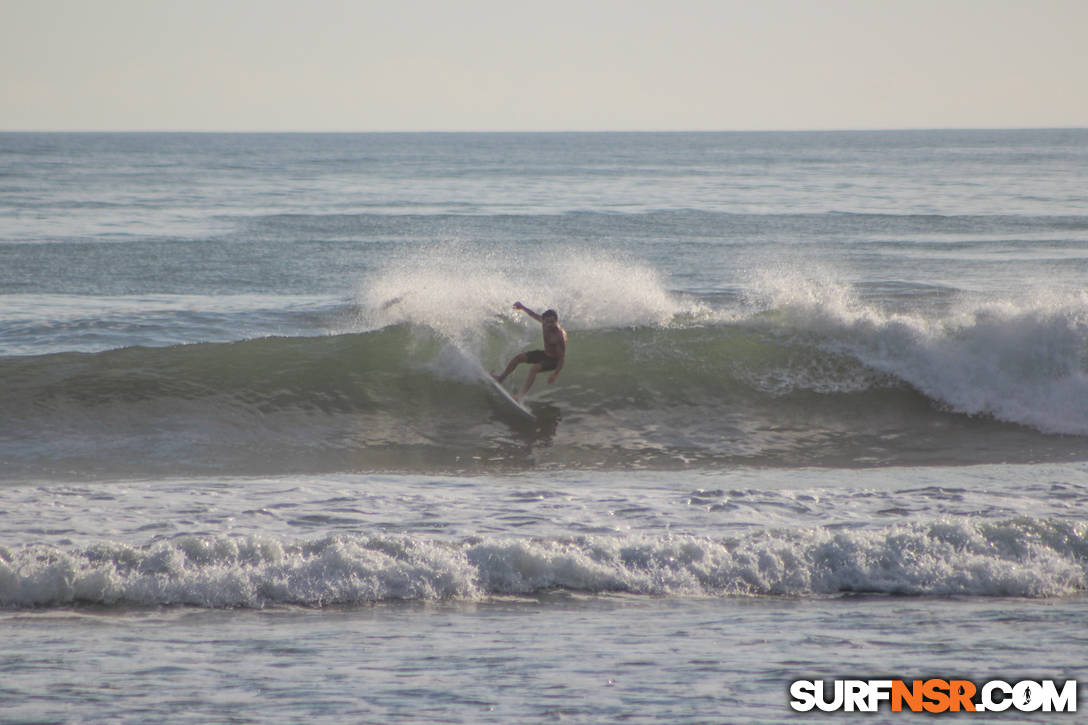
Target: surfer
[{"x": 551, "y": 358}]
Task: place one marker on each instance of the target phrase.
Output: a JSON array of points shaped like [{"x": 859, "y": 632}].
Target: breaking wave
[{"x": 793, "y": 371}]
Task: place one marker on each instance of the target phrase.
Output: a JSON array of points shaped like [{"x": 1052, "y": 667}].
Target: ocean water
[{"x": 824, "y": 416}]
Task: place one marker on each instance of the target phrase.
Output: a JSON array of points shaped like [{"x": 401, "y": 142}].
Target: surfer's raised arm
[{"x": 526, "y": 310}]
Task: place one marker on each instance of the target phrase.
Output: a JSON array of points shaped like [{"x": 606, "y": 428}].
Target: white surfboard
[{"x": 505, "y": 397}]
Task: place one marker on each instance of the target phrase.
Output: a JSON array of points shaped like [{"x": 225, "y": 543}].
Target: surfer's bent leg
[{"x": 514, "y": 362}]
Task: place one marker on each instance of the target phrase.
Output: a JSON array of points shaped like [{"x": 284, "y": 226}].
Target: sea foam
[
  {"x": 454, "y": 288},
  {"x": 1020, "y": 360},
  {"x": 1021, "y": 557}
]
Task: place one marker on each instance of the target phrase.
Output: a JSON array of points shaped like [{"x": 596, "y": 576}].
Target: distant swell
[{"x": 1017, "y": 558}]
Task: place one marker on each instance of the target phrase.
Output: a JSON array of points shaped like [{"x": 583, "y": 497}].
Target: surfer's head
[{"x": 550, "y": 314}]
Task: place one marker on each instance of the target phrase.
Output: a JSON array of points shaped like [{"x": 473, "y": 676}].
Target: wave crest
[{"x": 1022, "y": 361}]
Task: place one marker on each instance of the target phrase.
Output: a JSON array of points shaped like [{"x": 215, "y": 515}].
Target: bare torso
[{"x": 555, "y": 341}]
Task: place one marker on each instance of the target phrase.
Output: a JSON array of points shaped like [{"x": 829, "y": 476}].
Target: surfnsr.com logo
[{"x": 933, "y": 695}]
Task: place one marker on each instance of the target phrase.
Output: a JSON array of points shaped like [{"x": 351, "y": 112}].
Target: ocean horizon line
[{"x": 571, "y": 131}]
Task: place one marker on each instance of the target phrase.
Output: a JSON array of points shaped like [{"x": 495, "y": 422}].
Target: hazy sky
[{"x": 387, "y": 65}]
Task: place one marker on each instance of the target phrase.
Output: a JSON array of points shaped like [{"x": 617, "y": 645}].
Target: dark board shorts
[{"x": 539, "y": 356}]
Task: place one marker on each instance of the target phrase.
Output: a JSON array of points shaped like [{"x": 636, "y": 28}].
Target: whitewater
[{"x": 824, "y": 415}]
